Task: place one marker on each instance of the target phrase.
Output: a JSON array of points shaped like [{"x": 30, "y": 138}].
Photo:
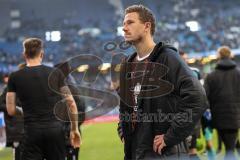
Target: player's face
[
  {"x": 133, "y": 28},
  {"x": 185, "y": 57},
  {"x": 5, "y": 80}
]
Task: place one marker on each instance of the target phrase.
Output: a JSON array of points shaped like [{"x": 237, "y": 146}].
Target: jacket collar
[
  {"x": 225, "y": 64},
  {"x": 155, "y": 53}
]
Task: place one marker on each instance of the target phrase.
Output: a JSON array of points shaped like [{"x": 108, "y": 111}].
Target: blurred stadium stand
[
  {"x": 85, "y": 26},
  {"x": 25, "y": 18}
]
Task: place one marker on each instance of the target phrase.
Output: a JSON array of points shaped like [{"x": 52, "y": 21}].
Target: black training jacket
[{"x": 179, "y": 101}]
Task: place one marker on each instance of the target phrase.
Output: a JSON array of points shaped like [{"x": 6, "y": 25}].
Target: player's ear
[
  {"x": 148, "y": 25},
  {"x": 42, "y": 53}
]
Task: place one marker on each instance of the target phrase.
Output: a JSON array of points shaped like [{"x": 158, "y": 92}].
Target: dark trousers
[
  {"x": 17, "y": 150},
  {"x": 176, "y": 156},
  {"x": 72, "y": 153},
  {"x": 43, "y": 143},
  {"x": 229, "y": 138},
  {"x": 177, "y": 152}
]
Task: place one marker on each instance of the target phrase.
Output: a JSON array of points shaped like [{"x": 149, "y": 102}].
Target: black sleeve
[
  {"x": 11, "y": 85},
  {"x": 206, "y": 85},
  {"x": 56, "y": 80},
  {"x": 119, "y": 130},
  {"x": 81, "y": 109},
  {"x": 118, "y": 90},
  {"x": 61, "y": 78},
  {"x": 191, "y": 99},
  {"x": 3, "y": 101}
]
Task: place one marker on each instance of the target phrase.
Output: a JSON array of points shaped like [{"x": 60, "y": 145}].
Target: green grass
[
  {"x": 100, "y": 141},
  {"x": 6, "y": 154}
]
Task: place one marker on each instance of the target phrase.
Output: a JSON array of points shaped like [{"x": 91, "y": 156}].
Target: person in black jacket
[
  {"x": 14, "y": 125},
  {"x": 223, "y": 92},
  {"x": 161, "y": 100}
]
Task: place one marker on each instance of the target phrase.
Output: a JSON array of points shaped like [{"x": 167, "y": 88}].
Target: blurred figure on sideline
[
  {"x": 14, "y": 125},
  {"x": 196, "y": 132},
  {"x": 223, "y": 92}
]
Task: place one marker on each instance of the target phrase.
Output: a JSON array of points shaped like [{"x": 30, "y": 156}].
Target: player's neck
[
  {"x": 145, "y": 47},
  {"x": 33, "y": 62}
]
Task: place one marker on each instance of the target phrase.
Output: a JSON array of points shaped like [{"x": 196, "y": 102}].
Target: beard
[{"x": 135, "y": 40}]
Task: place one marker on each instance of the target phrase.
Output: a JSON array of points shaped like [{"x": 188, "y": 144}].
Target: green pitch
[
  {"x": 6, "y": 154},
  {"x": 100, "y": 141}
]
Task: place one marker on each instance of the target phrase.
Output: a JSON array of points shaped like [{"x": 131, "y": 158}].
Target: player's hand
[
  {"x": 123, "y": 141},
  {"x": 158, "y": 143},
  {"x": 75, "y": 138}
]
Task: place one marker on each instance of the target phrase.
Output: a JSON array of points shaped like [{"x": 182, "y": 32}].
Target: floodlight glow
[
  {"x": 191, "y": 60},
  {"x": 83, "y": 68},
  {"x": 15, "y": 13},
  {"x": 55, "y": 36},
  {"x": 15, "y": 24},
  {"x": 104, "y": 66},
  {"x": 48, "y": 36},
  {"x": 117, "y": 68},
  {"x": 212, "y": 57},
  {"x": 193, "y": 25}
]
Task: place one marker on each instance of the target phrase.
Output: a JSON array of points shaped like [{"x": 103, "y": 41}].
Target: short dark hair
[
  {"x": 224, "y": 52},
  {"x": 145, "y": 15},
  {"x": 32, "y": 47},
  {"x": 5, "y": 75}
]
